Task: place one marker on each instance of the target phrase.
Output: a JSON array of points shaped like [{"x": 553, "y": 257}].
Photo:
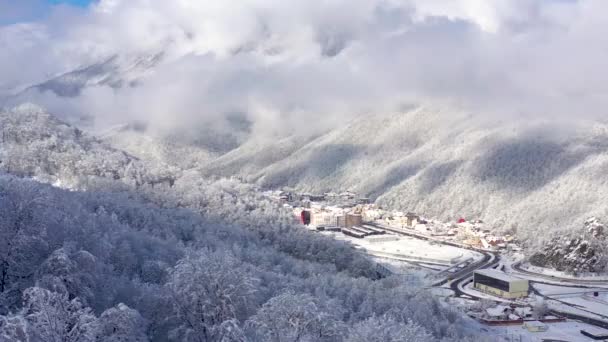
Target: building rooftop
[
  {"x": 496, "y": 274},
  {"x": 535, "y": 324}
]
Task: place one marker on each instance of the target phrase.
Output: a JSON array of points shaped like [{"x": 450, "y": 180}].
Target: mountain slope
[
  {"x": 36, "y": 144},
  {"x": 115, "y": 72},
  {"x": 447, "y": 164},
  {"x": 141, "y": 263}
]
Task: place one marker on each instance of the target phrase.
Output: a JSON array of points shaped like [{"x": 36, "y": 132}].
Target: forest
[{"x": 97, "y": 246}]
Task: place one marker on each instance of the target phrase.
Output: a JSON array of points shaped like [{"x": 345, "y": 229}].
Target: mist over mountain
[
  {"x": 539, "y": 176},
  {"x": 462, "y": 109},
  {"x": 308, "y": 67},
  {"x": 136, "y": 136}
]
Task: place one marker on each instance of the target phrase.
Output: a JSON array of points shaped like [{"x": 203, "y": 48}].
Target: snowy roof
[
  {"x": 523, "y": 310},
  {"x": 497, "y": 310},
  {"x": 496, "y": 274},
  {"x": 596, "y": 331},
  {"x": 534, "y": 324}
]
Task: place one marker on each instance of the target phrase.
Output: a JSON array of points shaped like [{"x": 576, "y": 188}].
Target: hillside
[
  {"x": 531, "y": 177},
  {"x": 37, "y": 144},
  {"x": 125, "y": 255}
]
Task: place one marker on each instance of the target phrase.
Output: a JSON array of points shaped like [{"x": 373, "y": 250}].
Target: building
[
  {"x": 595, "y": 333},
  {"x": 353, "y": 220},
  {"x": 305, "y": 217},
  {"x": 322, "y": 218},
  {"x": 341, "y": 221},
  {"x": 411, "y": 219},
  {"x": 500, "y": 284},
  {"x": 535, "y": 326}
]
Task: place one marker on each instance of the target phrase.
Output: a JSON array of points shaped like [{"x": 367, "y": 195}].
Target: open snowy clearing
[
  {"x": 407, "y": 248},
  {"x": 582, "y": 298},
  {"x": 563, "y": 331}
]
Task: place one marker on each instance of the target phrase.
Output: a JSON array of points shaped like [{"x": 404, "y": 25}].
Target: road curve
[
  {"x": 517, "y": 266},
  {"x": 492, "y": 259}
]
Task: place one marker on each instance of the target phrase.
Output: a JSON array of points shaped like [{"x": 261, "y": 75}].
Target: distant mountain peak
[{"x": 115, "y": 71}]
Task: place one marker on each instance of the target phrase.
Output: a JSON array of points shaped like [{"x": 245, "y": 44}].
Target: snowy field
[
  {"x": 409, "y": 248},
  {"x": 582, "y": 298},
  {"x": 563, "y": 331}
]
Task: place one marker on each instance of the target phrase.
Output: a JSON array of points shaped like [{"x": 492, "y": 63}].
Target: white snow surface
[{"x": 413, "y": 249}]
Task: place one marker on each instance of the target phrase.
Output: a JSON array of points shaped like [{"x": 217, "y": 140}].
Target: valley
[{"x": 303, "y": 171}]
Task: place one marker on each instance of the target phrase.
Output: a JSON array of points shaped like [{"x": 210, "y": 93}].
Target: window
[{"x": 491, "y": 282}]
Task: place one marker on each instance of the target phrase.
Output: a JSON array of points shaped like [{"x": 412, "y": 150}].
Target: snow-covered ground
[
  {"x": 408, "y": 248},
  {"x": 563, "y": 331},
  {"x": 582, "y": 298},
  {"x": 551, "y": 272},
  {"x": 546, "y": 275}
]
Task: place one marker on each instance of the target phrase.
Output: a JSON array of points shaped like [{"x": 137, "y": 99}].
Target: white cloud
[{"x": 288, "y": 62}]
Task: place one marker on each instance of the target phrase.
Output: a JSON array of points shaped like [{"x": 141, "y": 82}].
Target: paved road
[
  {"x": 517, "y": 266},
  {"x": 489, "y": 258}
]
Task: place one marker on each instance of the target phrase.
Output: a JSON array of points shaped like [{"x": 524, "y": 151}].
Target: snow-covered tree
[
  {"x": 294, "y": 318},
  {"x": 22, "y": 232},
  {"x": 387, "y": 329},
  {"x": 208, "y": 290},
  {"x": 51, "y": 317},
  {"x": 121, "y": 324},
  {"x": 13, "y": 328}
]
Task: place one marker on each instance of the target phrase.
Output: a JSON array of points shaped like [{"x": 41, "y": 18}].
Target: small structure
[
  {"x": 305, "y": 217},
  {"x": 500, "y": 284},
  {"x": 411, "y": 219},
  {"x": 535, "y": 326},
  {"x": 353, "y": 233},
  {"x": 596, "y": 334},
  {"x": 499, "y": 312}
]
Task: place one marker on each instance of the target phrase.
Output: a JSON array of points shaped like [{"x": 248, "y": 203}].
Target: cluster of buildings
[
  {"x": 475, "y": 234},
  {"x": 305, "y": 199},
  {"x": 336, "y": 211}
]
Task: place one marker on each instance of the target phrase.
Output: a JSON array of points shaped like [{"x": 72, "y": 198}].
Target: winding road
[{"x": 490, "y": 259}]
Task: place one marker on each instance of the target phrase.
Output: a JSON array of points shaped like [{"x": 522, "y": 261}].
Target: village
[
  {"x": 346, "y": 212},
  {"x": 464, "y": 262}
]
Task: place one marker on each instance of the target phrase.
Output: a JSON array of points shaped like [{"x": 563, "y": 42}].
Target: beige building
[
  {"x": 500, "y": 284},
  {"x": 323, "y": 218},
  {"x": 353, "y": 220},
  {"x": 535, "y": 326}
]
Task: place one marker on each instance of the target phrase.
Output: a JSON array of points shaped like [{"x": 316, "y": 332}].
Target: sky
[
  {"x": 280, "y": 62},
  {"x": 81, "y": 3},
  {"x": 15, "y": 11}
]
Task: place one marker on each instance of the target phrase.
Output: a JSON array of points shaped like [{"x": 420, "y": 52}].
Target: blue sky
[
  {"x": 82, "y": 3},
  {"x": 15, "y": 11}
]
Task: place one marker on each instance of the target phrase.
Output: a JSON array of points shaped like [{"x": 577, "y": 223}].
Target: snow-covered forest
[
  {"x": 518, "y": 177},
  {"x": 117, "y": 251},
  {"x": 131, "y": 204}
]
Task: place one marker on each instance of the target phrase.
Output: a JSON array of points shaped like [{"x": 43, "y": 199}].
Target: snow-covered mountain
[
  {"x": 115, "y": 71},
  {"x": 36, "y": 144},
  {"x": 119, "y": 257},
  {"x": 528, "y": 177}
]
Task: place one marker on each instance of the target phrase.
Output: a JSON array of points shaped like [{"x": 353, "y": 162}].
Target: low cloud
[{"x": 305, "y": 66}]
